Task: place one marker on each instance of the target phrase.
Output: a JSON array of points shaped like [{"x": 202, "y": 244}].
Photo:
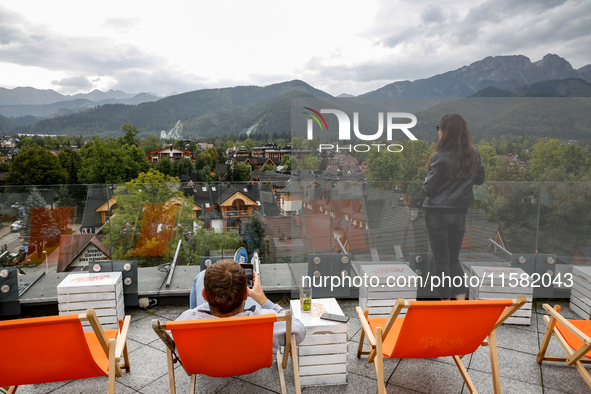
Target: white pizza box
[
  {"x": 581, "y": 301},
  {"x": 580, "y": 294},
  {"x": 92, "y": 296},
  {"x": 583, "y": 273},
  {"x": 322, "y": 356},
  {"x": 380, "y": 299},
  {"x": 524, "y": 321},
  {"x": 383, "y": 271},
  {"x": 90, "y": 283},
  {"x": 499, "y": 288},
  {"x": 380, "y": 293},
  {"x": 501, "y": 275},
  {"x": 102, "y": 292},
  {"x": 100, "y": 312}
]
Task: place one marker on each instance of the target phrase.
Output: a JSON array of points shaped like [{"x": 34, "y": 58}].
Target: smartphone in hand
[{"x": 333, "y": 317}]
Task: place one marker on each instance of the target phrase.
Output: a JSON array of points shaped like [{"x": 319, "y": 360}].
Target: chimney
[{"x": 298, "y": 219}]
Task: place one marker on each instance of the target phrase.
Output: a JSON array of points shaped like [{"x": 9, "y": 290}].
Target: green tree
[
  {"x": 107, "y": 162},
  {"x": 165, "y": 166},
  {"x": 384, "y": 166},
  {"x": 249, "y": 144},
  {"x": 193, "y": 147},
  {"x": 71, "y": 161},
  {"x": 129, "y": 134},
  {"x": 267, "y": 167},
  {"x": 510, "y": 171},
  {"x": 415, "y": 155},
  {"x": 309, "y": 163},
  {"x": 152, "y": 215},
  {"x": 489, "y": 158},
  {"x": 215, "y": 157},
  {"x": 180, "y": 144},
  {"x": 239, "y": 172},
  {"x": 185, "y": 166},
  {"x": 546, "y": 155},
  {"x": 253, "y": 233},
  {"x": 574, "y": 160},
  {"x": 286, "y": 162},
  {"x": 150, "y": 144},
  {"x": 36, "y": 166}
]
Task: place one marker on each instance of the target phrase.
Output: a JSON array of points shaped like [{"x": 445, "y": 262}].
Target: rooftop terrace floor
[{"x": 517, "y": 348}]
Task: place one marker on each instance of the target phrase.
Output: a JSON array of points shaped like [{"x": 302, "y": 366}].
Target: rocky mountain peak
[{"x": 555, "y": 67}]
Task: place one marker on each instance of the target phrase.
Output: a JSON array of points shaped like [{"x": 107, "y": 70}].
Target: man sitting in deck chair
[{"x": 225, "y": 291}]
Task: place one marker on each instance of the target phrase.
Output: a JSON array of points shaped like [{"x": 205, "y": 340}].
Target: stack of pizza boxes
[
  {"x": 102, "y": 292},
  {"x": 580, "y": 294},
  {"x": 382, "y": 284},
  {"x": 490, "y": 283}
]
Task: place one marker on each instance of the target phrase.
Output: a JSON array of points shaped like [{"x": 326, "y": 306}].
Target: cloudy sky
[{"x": 337, "y": 46}]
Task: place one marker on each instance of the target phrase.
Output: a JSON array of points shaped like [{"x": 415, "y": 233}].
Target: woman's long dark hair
[{"x": 456, "y": 138}]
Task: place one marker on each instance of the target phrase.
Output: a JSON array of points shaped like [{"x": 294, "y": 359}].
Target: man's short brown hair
[{"x": 225, "y": 283}]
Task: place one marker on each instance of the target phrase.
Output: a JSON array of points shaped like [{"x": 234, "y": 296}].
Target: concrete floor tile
[
  {"x": 354, "y": 327},
  {"x": 484, "y": 384},
  {"x": 242, "y": 387},
  {"x": 94, "y": 385},
  {"x": 133, "y": 345},
  {"x": 355, "y": 384},
  {"x": 391, "y": 389},
  {"x": 512, "y": 364},
  {"x": 43, "y": 388},
  {"x": 269, "y": 378},
  {"x": 204, "y": 384},
  {"x": 564, "y": 378},
  {"x": 565, "y": 308},
  {"x": 348, "y": 306},
  {"x": 169, "y": 312},
  {"x": 510, "y": 337},
  {"x": 141, "y": 330},
  {"x": 158, "y": 344},
  {"x": 360, "y": 366},
  {"x": 136, "y": 313},
  {"x": 427, "y": 376},
  {"x": 147, "y": 365}
]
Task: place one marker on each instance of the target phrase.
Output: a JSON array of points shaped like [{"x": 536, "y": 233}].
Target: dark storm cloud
[{"x": 433, "y": 14}]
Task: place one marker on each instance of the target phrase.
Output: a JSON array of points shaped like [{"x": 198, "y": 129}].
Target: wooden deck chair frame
[
  {"x": 575, "y": 357},
  {"x": 290, "y": 348},
  {"x": 114, "y": 348},
  {"x": 375, "y": 343}
]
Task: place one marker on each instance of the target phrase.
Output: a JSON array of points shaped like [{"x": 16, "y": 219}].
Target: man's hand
[{"x": 256, "y": 293}]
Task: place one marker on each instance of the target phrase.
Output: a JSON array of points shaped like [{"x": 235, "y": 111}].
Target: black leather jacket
[{"x": 445, "y": 191}]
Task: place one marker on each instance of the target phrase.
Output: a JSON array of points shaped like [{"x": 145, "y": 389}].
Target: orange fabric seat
[
  {"x": 219, "y": 349},
  {"x": 573, "y": 341},
  {"x": 573, "y": 335},
  {"x": 435, "y": 329},
  {"x": 54, "y": 348},
  {"x": 229, "y": 346}
]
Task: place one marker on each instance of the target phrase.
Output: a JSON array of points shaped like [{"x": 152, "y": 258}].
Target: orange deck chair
[
  {"x": 55, "y": 348},
  {"x": 223, "y": 347},
  {"x": 573, "y": 335},
  {"x": 436, "y": 329}
]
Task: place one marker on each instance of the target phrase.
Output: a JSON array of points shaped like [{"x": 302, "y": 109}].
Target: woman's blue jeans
[{"x": 446, "y": 234}]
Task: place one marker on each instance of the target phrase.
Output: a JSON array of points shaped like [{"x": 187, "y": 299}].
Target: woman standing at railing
[{"x": 454, "y": 168}]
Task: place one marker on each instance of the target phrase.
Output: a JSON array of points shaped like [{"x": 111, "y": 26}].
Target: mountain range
[
  {"x": 265, "y": 110},
  {"x": 502, "y": 72}
]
